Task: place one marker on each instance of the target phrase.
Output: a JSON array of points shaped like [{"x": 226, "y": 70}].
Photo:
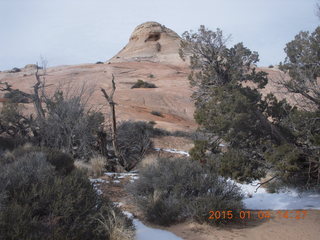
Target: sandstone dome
[{"x": 151, "y": 42}]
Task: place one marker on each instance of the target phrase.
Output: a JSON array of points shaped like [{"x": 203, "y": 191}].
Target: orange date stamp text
[{"x": 262, "y": 214}]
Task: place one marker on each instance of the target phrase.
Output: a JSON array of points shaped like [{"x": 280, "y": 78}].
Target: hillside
[{"x": 139, "y": 59}]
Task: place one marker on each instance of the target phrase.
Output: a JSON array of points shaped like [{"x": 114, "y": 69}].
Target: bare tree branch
[{"x": 109, "y": 99}]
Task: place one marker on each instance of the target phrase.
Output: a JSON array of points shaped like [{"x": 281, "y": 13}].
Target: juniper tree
[
  {"x": 302, "y": 63},
  {"x": 256, "y": 129}
]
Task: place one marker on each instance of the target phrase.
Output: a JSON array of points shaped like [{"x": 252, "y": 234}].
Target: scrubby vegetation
[
  {"x": 65, "y": 122},
  {"x": 43, "y": 197},
  {"x": 98, "y": 165},
  {"x": 142, "y": 84},
  {"x": 14, "y": 70},
  {"x": 16, "y": 97},
  {"x": 134, "y": 141},
  {"x": 263, "y": 135},
  {"x": 174, "y": 190},
  {"x": 42, "y": 194}
]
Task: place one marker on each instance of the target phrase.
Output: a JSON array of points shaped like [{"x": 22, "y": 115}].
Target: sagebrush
[{"x": 173, "y": 190}]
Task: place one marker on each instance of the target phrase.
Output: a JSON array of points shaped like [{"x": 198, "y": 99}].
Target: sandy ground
[{"x": 275, "y": 228}]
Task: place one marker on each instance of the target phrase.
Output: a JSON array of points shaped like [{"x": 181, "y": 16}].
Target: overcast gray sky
[{"x": 84, "y": 31}]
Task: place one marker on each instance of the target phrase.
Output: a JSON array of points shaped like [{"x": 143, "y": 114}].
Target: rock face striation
[{"x": 151, "y": 42}]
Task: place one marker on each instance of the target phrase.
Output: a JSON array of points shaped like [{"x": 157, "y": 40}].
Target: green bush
[
  {"x": 173, "y": 190},
  {"x": 62, "y": 162},
  {"x": 142, "y": 84},
  {"x": 38, "y": 203},
  {"x": 234, "y": 164},
  {"x": 156, "y": 113},
  {"x": 198, "y": 152}
]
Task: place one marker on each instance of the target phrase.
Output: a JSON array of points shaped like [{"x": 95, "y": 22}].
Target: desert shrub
[
  {"x": 15, "y": 70},
  {"x": 63, "y": 121},
  {"x": 69, "y": 126},
  {"x": 158, "y": 47},
  {"x": 62, "y": 162},
  {"x": 98, "y": 164},
  {"x": 271, "y": 66},
  {"x": 142, "y": 84},
  {"x": 38, "y": 203},
  {"x": 99, "y": 62},
  {"x": 179, "y": 133},
  {"x": 198, "y": 152},
  {"x": 153, "y": 123},
  {"x": 156, "y": 113},
  {"x": 172, "y": 190},
  {"x": 13, "y": 123},
  {"x": 133, "y": 141},
  {"x": 16, "y": 96},
  {"x": 157, "y": 132},
  {"x": 28, "y": 169},
  {"x": 150, "y": 75},
  {"x": 7, "y": 144}
]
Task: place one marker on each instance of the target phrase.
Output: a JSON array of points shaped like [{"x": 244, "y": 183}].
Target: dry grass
[
  {"x": 8, "y": 155},
  {"x": 98, "y": 164},
  {"x": 27, "y": 146},
  {"x": 149, "y": 159},
  {"x": 83, "y": 166},
  {"x": 116, "y": 227}
]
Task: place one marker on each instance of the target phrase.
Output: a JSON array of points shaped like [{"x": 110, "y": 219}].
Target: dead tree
[
  {"x": 111, "y": 103},
  {"x": 36, "y": 98}
]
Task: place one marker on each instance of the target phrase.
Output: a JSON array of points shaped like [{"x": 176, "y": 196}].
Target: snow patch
[
  {"x": 172, "y": 151},
  {"x": 284, "y": 200},
  {"x": 98, "y": 180},
  {"x": 144, "y": 232},
  {"x": 118, "y": 204},
  {"x": 98, "y": 191}
]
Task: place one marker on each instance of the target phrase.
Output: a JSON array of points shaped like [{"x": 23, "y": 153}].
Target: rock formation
[{"x": 151, "y": 42}]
